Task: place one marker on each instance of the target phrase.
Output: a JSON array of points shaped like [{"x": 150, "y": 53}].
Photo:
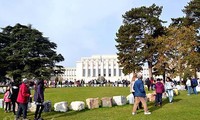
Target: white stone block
[
  {"x": 198, "y": 88},
  {"x": 77, "y": 105},
  {"x": 61, "y": 106},
  {"x": 130, "y": 99},
  {"x": 119, "y": 100},
  {"x": 31, "y": 107},
  {"x": 1, "y": 103},
  {"x": 180, "y": 87}
]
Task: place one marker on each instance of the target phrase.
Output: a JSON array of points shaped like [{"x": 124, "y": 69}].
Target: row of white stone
[{"x": 93, "y": 103}]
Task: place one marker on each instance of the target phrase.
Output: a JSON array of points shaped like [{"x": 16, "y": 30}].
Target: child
[
  {"x": 7, "y": 99},
  {"x": 159, "y": 88}
]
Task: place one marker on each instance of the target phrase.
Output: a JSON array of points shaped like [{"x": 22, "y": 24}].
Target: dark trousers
[
  {"x": 39, "y": 109},
  {"x": 13, "y": 106},
  {"x": 148, "y": 86},
  {"x": 158, "y": 98},
  {"x": 8, "y": 106},
  {"x": 22, "y": 108}
]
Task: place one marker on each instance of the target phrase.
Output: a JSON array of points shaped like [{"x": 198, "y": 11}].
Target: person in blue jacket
[{"x": 140, "y": 95}]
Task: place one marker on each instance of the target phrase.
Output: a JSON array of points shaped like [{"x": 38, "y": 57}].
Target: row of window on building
[{"x": 105, "y": 73}]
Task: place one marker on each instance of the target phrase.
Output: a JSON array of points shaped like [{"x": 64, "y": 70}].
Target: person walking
[
  {"x": 140, "y": 95},
  {"x": 188, "y": 84},
  {"x": 169, "y": 89},
  {"x": 39, "y": 99},
  {"x": 159, "y": 89},
  {"x": 22, "y": 100},
  {"x": 7, "y": 99}
]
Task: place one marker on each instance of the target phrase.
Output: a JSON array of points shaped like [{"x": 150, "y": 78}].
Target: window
[
  {"x": 94, "y": 72},
  {"x": 104, "y": 72},
  {"x": 120, "y": 72},
  {"x": 114, "y": 72},
  {"x": 83, "y": 73},
  {"x": 109, "y": 72},
  {"x": 99, "y": 72},
  {"x": 89, "y": 73}
]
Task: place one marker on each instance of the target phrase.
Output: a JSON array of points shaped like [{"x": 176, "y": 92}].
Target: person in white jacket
[
  {"x": 169, "y": 89},
  {"x": 189, "y": 87}
]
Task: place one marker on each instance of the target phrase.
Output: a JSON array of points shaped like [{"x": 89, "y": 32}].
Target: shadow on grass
[
  {"x": 53, "y": 115},
  {"x": 165, "y": 101}
]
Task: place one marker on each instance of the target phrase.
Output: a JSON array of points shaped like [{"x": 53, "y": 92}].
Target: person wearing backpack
[{"x": 194, "y": 84}]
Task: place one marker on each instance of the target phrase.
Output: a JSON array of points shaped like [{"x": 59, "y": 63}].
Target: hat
[{"x": 25, "y": 80}]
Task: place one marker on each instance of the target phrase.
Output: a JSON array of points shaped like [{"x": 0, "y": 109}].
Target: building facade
[{"x": 96, "y": 66}]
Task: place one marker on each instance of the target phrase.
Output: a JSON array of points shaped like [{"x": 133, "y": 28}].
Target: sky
[{"x": 80, "y": 28}]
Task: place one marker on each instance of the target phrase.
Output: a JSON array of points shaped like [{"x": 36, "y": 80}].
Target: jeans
[
  {"x": 189, "y": 90},
  {"x": 158, "y": 99},
  {"x": 170, "y": 93},
  {"x": 194, "y": 90},
  {"x": 22, "y": 108}
]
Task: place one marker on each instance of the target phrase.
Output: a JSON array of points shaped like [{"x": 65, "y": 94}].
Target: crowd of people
[
  {"x": 158, "y": 87},
  {"x": 20, "y": 94}
]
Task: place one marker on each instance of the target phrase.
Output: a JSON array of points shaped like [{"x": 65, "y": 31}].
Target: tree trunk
[{"x": 150, "y": 69}]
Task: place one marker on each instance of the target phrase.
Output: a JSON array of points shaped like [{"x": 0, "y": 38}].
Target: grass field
[{"x": 184, "y": 107}]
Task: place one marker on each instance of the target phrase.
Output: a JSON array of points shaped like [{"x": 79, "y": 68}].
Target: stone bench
[
  {"x": 61, "y": 106},
  {"x": 92, "y": 103},
  {"x": 119, "y": 100},
  {"x": 106, "y": 102},
  {"x": 77, "y": 105},
  {"x": 130, "y": 99}
]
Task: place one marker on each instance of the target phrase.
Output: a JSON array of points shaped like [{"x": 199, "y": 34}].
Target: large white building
[{"x": 89, "y": 68}]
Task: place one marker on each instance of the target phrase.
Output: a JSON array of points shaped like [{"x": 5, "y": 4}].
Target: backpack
[{"x": 194, "y": 83}]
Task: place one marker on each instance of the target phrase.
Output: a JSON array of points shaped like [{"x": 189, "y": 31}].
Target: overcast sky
[{"x": 80, "y": 28}]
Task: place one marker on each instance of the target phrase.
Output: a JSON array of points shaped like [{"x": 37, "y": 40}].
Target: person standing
[
  {"x": 140, "y": 95},
  {"x": 194, "y": 84},
  {"x": 7, "y": 99},
  {"x": 188, "y": 84},
  {"x": 148, "y": 83},
  {"x": 39, "y": 99},
  {"x": 159, "y": 88},
  {"x": 169, "y": 89},
  {"x": 132, "y": 84},
  {"x": 152, "y": 83},
  {"x": 22, "y": 99},
  {"x": 14, "y": 91}
]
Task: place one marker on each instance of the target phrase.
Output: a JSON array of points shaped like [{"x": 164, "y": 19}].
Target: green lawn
[{"x": 184, "y": 107}]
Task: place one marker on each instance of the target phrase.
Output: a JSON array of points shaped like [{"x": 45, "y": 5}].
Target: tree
[
  {"x": 136, "y": 36},
  {"x": 29, "y": 54},
  {"x": 3, "y": 54},
  {"x": 192, "y": 18},
  {"x": 178, "y": 49}
]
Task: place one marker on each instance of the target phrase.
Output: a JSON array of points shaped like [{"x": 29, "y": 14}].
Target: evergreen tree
[
  {"x": 136, "y": 36},
  {"x": 28, "y": 53}
]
